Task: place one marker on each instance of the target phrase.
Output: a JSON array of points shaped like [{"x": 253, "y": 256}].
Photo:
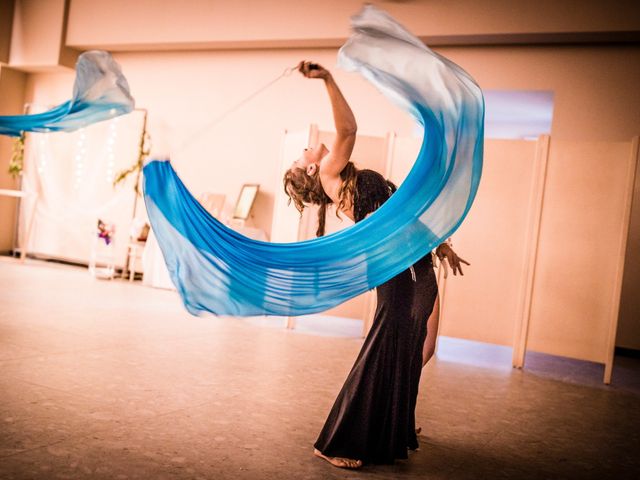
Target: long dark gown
[{"x": 373, "y": 418}]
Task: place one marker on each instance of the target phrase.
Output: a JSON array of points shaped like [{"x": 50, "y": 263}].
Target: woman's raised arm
[{"x": 343, "y": 117}]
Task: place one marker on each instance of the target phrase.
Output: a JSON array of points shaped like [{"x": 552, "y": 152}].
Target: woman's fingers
[
  {"x": 304, "y": 67},
  {"x": 310, "y": 69},
  {"x": 454, "y": 261}
]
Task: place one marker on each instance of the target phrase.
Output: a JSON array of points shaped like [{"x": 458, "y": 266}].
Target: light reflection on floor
[
  {"x": 323, "y": 325},
  {"x": 477, "y": 354}
]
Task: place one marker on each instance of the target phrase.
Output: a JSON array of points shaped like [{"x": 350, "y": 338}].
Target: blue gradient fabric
[
  {"x": 100, "y": 92},
  {"x": 217, "y": 270}
]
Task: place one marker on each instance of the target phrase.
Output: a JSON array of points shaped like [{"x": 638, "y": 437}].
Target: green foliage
[
  {"x": 16, "y": 164},
  {"x": 143, "y": 152}
]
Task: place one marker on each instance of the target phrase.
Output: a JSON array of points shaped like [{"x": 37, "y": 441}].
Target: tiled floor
[{"x": 111, "y": 380}]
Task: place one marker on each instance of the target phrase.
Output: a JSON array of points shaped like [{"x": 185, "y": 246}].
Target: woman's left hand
[{"x": 445, "y": 251}]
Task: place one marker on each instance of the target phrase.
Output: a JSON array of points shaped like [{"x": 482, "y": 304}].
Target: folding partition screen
[
  {"x": 586, "y": 207},
  {"x": 546, "y": 238}
]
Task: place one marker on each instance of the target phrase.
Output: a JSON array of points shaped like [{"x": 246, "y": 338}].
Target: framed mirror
[{"x": 245, "y": 201}]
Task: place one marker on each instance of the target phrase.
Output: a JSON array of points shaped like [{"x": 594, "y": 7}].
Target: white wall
[{"x": 187, "y": 90}]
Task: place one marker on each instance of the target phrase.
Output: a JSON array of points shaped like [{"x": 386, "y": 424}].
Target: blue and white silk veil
[
  {"x": 215, "y": 269},
  {"x": 100, "y": 92}
]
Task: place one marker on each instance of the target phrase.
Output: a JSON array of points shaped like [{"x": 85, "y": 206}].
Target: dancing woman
[{"x": 373, "y": 417}]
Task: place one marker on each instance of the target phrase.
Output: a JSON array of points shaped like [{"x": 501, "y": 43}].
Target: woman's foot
[
  {"x": 417, "y": 449},
  {"x": 338, "y": 461}
]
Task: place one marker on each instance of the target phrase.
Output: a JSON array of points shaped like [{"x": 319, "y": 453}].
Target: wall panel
[
  {"x": 12, "y": 92},
  {"x": 579, "y": 234},
  {"x": 122, "y": 24},
  {"x": 38, "y": 35},
  {"x": 629, "y": 328},
  {"x": 483, "y": 304}
]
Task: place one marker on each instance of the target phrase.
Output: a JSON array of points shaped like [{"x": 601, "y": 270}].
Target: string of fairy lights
[
  {"x": 113, "y": 133},
  {"x": 44, "y": 157},
  {"x": 80, "y": 157},
  {"x": 81, "y": 152},
  {"x": 74, "y": 178}
]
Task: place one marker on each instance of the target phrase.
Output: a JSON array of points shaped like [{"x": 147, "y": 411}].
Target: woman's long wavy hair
[{"x": 304, "y": 189}]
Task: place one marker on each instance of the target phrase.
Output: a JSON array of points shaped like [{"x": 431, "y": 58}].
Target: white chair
[{"x": 138, "y": 234}]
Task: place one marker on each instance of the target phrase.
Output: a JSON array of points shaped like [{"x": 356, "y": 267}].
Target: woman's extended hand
[
  {"x": 313, "y": 70},
  {"x": 445, "y": 251}
]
